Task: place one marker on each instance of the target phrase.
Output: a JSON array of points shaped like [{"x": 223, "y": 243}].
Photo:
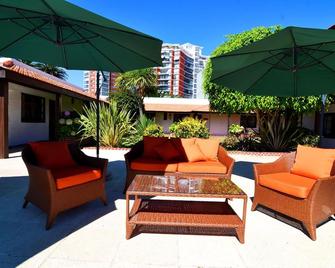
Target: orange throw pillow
[
  {"x": 52, "y": 154},
  {"x": 314, "y": 163},
  {"x": 194, "y": 154},
  {"x": 209, "y": 147},
  {"x": 168, "y": 152},
  {"x": 182, "y": 145},
  {"x": 150, "y": 144}
]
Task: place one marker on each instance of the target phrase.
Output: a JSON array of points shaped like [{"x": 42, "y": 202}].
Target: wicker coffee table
[{"x": 186, "y": 213}]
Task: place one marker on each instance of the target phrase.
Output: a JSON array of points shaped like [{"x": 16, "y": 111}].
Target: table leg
[
  {"x": 241, "y": 230},
  {"x": 129, "y": 228}
]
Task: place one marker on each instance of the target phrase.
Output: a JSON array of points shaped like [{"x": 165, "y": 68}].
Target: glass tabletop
[{"x": 184, "y": 186}]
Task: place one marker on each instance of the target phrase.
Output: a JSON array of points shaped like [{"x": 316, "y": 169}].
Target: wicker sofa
[
  {"x": 61, "y": 177},
  {"x": 300, "y": 185},
  {"x": 167, "y": 156}
]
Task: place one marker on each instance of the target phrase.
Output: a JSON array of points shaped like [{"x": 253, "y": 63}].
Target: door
[{"x": 52, "y": 120}]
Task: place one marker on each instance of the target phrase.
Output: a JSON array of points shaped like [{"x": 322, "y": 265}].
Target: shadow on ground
[
  {"x": 22, "y": 230},
  {"x": 244, "y": 169}
]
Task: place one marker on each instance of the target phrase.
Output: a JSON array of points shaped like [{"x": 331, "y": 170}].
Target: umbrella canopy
[
  {"x": 293, "y": 62},
  {"x": 63, "y": 34}
]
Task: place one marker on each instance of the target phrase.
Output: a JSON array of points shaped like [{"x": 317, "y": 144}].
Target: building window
[
  {"x": 178, "y": 117},
  {"x": 32, "y": 109},
  {"x": 249, "y": 120},
  {"x": 329, "y": 125},
  {"x": 165, "y": 116}
]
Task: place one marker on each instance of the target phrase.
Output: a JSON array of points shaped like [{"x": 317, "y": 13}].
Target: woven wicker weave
[{"x": 316, "y": 208}]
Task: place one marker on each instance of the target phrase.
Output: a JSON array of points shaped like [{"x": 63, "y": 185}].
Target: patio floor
[{"x": 94, "y": 236}]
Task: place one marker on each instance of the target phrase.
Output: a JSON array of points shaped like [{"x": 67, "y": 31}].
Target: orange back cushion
[
  {"x": 150, "y": 144},
  {"x": 52, "y": 154},
  {"x": 314, "y": 163},
  {"x": 209, "y": 147},
  {"x": 194, "y": 154},
  {"x": 182, "y": 145}
]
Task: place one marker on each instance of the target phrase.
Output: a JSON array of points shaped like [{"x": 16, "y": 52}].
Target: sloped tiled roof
[{"x": 31, "y": 72}]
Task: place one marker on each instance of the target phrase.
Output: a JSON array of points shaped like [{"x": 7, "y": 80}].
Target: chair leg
[
  {"x": 50, "y": 220},
  {"x": 25, "y": 204},
  {"x": 104, "y": 200},
  {"x": 311, "y": 229},
  {"x": 254, "y": 205}
]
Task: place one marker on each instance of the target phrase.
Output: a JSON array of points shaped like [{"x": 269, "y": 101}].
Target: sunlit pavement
[{"x": 94, "y": 236}]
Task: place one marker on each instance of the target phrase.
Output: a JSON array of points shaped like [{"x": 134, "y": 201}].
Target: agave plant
[
  {"x": 279, "y": 131},
  {"x": 116, "y": 125}
]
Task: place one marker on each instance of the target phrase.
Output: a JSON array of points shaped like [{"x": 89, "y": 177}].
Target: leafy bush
[
  {"x": 308, "y": 138},
  {"x": 68, "y": 125},
  {"x": 230, "y": 142},
  {"x": 235, "y": 129},
  {"x": 278, "y": 131},
  {"x": 116, "y": 125},
  {"x": 154, "y": 130},
  {"x": 190, "y": 127}
]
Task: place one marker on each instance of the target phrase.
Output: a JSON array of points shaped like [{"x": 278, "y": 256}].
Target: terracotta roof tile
[{"x": 28, "y": 71}]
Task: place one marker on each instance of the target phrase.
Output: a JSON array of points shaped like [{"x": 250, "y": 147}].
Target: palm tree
[
  {"x": 51, "y": 69},
  {"x": 142, "y": 81},
  {"x": 47, "y": 68}
]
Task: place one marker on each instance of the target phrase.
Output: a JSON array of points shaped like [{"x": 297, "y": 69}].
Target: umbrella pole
[
  {"x": 323, "y": 98},
  {"x": 98, "y": 112}
]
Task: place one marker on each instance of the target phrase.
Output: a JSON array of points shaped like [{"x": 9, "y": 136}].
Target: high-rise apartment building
[
  {"x": 107, "y": 82},
  {"x": 180, "y": 75}
]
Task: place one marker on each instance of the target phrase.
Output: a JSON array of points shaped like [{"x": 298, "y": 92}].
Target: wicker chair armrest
[
  {"x": 41, "y": 177},
  {"x": 225, "y": 159},
  {"x": 283, "y": 164}
]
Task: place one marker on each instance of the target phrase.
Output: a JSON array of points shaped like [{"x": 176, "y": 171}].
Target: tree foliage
[
  {"x": 48, "y": 68},
  {"x": 229, "y": 101}
]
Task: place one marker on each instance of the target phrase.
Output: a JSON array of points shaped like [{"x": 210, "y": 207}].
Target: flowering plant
[{"x": 68, "y": 125}]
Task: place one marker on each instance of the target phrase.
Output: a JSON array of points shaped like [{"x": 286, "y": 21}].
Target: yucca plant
[
  {"x": 116, "y": 125},
  {"x": 279, "y": 132}
]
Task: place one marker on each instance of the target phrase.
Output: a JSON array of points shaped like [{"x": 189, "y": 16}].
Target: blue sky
[{"x": 207, "y": 22}]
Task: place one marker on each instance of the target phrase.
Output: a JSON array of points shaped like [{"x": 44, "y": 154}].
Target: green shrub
[
  {"x": 190, "y": 127},
  {"x": 116, "y": 125},
  {"x": 154, "y": 130},
  {"x": 230, "y": 142},
  {"x": 235, "y": 129}
]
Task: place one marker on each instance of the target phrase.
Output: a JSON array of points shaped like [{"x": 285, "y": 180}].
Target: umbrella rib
[
  {"x": 214, "y": 79},
  {"x": 229, "y": 54},
  {"x": 118, "y": 44},
  {"x": 293, "y": 38},
  {"x": 21, "y": 37},
  {"x": 267, "y": 71},
  {"x": 63, "y": 49},
  {"x": 31, "y": 23},
  {"x": 92, "y": 45},
  {"x": 50, "y": 8},
  {"x": 320, "y": 62},
  {"x": 91, "y": 23}
]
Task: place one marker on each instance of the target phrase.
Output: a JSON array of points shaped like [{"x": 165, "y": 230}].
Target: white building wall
[{"x": 18, "y": 132}]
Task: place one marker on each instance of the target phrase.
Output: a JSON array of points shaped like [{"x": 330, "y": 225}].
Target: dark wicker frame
[
  {"x": 42, "y": 190},
  {"x": 137, "y": 150},
  {"x": 315, "y": 209}
]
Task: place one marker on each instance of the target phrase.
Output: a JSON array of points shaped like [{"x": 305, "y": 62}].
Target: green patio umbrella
[
  {"x": 63, "y": 34},
  {"x": 293, "y": 62}
]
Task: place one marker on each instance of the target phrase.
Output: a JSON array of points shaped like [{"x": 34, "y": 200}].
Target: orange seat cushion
[
  {"x": 76, "y": 175},
  {"x": 202, "y": 167},
  {"x": 288, "y": 183},
  {"x": 209, "y": 147},
  {"x": 314, "y": 163},
  {"x": 168, "y": 152},
  {"x": 150, "y": 144},
  {"x": 145, "y": 164},
  {"x": 52, "y": 154}
]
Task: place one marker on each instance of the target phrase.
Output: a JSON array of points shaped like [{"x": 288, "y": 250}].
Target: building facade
[
  {"x": 180, "y": 75},
  {"x": 107, "y": 82}
]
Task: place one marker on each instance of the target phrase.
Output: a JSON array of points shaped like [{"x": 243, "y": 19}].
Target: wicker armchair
[
  {"x": 317, "y": 207},
  {"x": 56, "y": 190}
]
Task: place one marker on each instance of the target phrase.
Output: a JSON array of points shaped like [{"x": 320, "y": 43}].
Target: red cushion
[
  {"x": 168, "y": 152},
  {"x": 150, "y": 144},
  {"x": 75, "y": 175},
  {"x": 52, "y": 154}
]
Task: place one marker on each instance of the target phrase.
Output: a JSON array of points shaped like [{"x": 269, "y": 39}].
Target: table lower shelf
[{"x": 185, "y": 213}]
